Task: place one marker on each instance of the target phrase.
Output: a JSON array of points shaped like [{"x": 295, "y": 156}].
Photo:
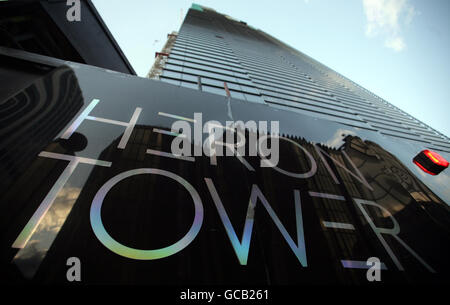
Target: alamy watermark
[
  {"x": 73, "y": 274},
  {"x": 74, "y": 11},
  {"x": 228, "y": 140},
  {"x": 374, "y": 272}
]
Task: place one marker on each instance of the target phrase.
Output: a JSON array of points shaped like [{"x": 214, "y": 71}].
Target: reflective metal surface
[{"x": 97, "y": 180}]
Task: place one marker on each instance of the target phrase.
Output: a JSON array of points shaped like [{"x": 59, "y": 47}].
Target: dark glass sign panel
[{"x": 88, "y": 172}]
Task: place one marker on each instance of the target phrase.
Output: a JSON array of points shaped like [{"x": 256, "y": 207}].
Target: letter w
[{"x": 241, "y": 248}]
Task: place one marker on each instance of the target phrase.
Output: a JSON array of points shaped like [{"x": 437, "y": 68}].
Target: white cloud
[
  {"x": 395, "y": 43},
  {"x": 337, "y": 140},
  {"x": 386, "y": 18}
]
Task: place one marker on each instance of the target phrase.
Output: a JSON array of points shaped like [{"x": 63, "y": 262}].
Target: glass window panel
[
  {"x": 189, "y": 85},
  {"x": 214, "y": 90},
  {"x": 194, "y": 60},
  {"x": 270, "y": 93},
  {"x": 234, "y": 86},
  {"x": 175, "y": 61},
  {"x": 203, "y": 67},
  {"x": 216, "y": 70},
  {"x": 209, "y": 74},
  {"x": 170, "y": 81},
  {"x": 254, "y": 98},
  {"x": 249, "y": 89},
  {"x": 215, "y": 62},
  {"x": 178, "y": 50},
  {"x": 191, "y": 78},
  {"x": 226, "y": 78},
  {"x": 171, "y": 74},
  {"x": 210, "y": 56},
  {"x": 175, "y": 56},
  {"x": 178, "y": 45},
  {"x": 173, "y": 67},
  {"x": 209, "y": 48},
  {"x": 193, "y": 65},
  {"x": 191, "y": 71},
  {"x": 238, "y": 95},
  {"x": 244, "y": 81},
  {"x": 241, "y": 75},
  {"x": 240, "y": 71},
  {"x": 214, "y": 82},
  {"x": 223, "y": 77}
]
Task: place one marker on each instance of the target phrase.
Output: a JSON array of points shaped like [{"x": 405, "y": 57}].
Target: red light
[
  {"x": 430, "y": 162},
  {"x": 423, "y": 168},
  {"x": 436, "y": 158}
]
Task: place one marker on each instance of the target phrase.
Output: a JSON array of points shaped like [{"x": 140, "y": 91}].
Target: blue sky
[{"x": 398, "y": 49}]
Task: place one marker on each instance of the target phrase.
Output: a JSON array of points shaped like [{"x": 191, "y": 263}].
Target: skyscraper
[
  {"x": 98, "y": 194},
  {"x": 216, "y": 53}
]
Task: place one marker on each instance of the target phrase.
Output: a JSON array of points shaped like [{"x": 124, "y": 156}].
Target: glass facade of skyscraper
[
  {"x": 89, "y": 176},
  {"x": 212, "y": 49}
]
